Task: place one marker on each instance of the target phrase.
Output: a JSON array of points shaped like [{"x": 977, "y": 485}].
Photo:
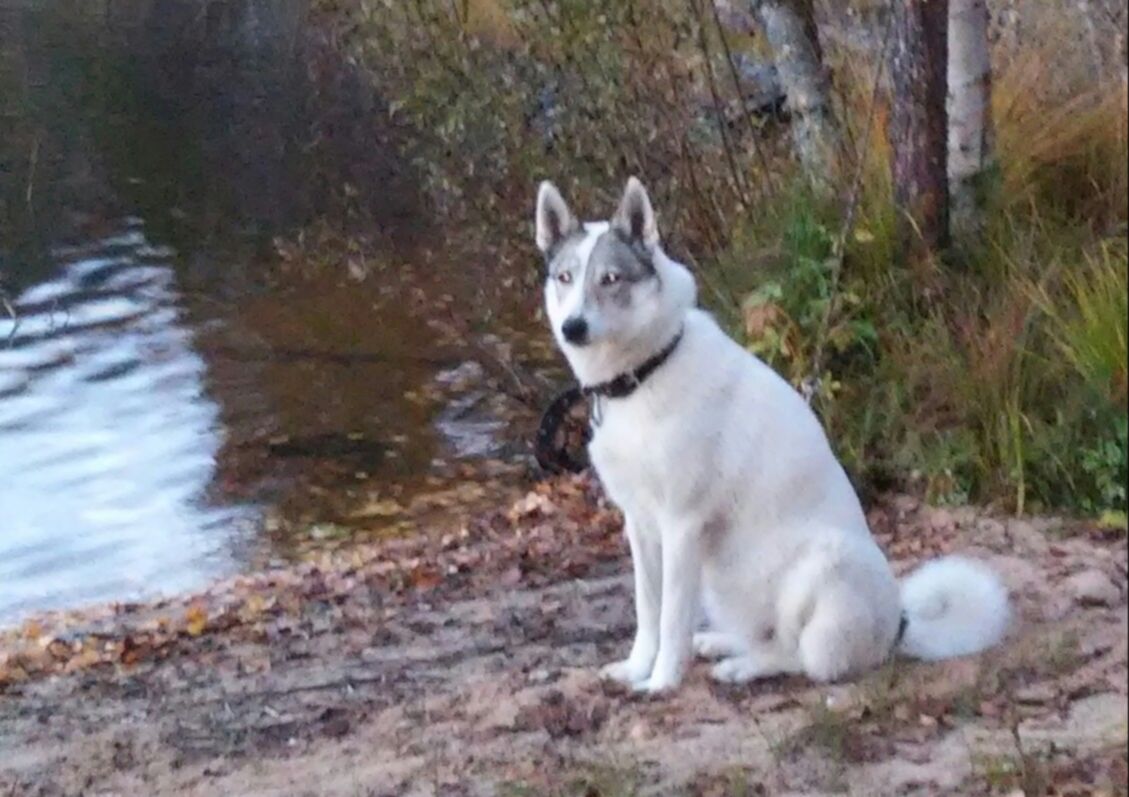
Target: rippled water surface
[
  {"x": 109, "y": 436},
  {"x": 167, "y": 392}
]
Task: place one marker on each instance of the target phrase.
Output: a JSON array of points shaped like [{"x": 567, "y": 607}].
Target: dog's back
[{"x": 717, "y": 432}]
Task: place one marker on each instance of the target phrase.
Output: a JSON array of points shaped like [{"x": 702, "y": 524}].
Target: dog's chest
[{"x": 627, "y": 452}]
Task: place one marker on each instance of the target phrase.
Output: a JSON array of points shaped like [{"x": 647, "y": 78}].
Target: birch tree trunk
[
  {"x": 789, "y": 26},
  {"x": 970, "y": 115},
  {"x": 917, "y": 126}
]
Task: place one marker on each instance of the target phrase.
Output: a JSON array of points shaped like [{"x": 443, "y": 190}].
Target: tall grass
[
  {"x": 1061, "y": 153},
  {"x": 1004, "y": 381},
  {"x": 1086, "y": 311}
]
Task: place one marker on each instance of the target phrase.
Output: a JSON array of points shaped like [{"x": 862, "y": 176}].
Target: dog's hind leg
[
  {"x": 741, "y": 669},
  {"x": 839, "y": 639},
  {"x": 749, "y": 665},
  {"x": 717, "y": 645}
]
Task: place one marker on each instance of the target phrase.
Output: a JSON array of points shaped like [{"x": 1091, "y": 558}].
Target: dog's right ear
[{"x": 555, "y": 221}]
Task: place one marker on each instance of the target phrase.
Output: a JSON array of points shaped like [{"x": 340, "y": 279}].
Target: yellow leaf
[
  {"x": 11, "y": 670},
  {"x": 87, "y": 658},
  {"x": 253, "y": 607},
  {"x": 864, "y": 236},
  {"x": 379, "y": 508},
  {"x": 762, "y": 319},
  {"x": 195, "y": 620},
  {"x": 1113, "y": 519}
]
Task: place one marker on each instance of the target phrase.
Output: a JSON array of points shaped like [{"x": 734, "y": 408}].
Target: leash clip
[{"x": 596, "y": 415}]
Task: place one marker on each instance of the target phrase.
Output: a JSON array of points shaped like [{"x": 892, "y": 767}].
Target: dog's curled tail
[{"x": 952, "y": 607}]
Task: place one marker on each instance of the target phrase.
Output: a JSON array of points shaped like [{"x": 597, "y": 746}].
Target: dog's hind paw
[
  {"x": 627, "y": 672},
  {"x": 741, "y": 669},
  {"x": 715, "y": 645}
]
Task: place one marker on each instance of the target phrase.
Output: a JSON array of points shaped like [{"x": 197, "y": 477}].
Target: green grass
[
  {"x": 591, "y": 780},
  {"x": 1086, "y": 316}
]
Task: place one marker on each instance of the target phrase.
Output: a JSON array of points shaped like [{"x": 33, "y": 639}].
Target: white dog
[{"x": 734, "y": 501}]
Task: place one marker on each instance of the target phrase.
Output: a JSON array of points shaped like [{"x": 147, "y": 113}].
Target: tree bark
[
  {"x": 970, "y": 115},
  {"x": 789, "y": 26},
  {"x": 918, "y": 127}
]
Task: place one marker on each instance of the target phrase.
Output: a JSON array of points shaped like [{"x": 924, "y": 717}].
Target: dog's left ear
[{"x": 635, "y": 217}]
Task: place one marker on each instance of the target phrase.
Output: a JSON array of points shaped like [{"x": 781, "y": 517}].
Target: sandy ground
[{"x": 463, "y": 664}]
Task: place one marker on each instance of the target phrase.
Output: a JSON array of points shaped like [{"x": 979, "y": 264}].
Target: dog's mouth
[{"x": 577, "y": 344}]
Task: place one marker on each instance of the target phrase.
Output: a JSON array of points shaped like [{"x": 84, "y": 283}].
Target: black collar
[{"x": 625, "y": 384}]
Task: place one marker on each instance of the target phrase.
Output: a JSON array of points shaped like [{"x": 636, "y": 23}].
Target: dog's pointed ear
[
  {"x": 554, "y": 221},
  {"x": 635, "y": 217}
]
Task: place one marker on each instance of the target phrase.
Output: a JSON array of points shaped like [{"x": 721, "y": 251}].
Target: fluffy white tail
[{"x": 953, "y": 606}]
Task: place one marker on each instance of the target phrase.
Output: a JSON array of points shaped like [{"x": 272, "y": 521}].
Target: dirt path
[{"x": 481, "y": 682}]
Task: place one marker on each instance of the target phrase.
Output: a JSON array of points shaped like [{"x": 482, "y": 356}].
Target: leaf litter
[{"x": 460, "y": 660}]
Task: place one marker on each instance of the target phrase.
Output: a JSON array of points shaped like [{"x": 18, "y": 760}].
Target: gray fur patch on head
[
  {"x": 611, "y": 269},
  {"x": 630, "y": 261},
  {"x": 563, "y": 253},
  {"x": 615, "y": 252}
]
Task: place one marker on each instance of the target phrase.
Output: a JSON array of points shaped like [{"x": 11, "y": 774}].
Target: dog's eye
[
  {"x": 611, "y": 278},
  {"x": 564, "y": 278}
]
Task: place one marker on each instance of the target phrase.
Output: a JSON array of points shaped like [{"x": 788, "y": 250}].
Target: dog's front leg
[
  {"x": 681, "y": 580},
  {"x": 646, "y": 560}
]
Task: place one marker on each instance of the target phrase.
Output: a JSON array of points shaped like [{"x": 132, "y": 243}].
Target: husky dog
[{"x": 734, "y": 501}]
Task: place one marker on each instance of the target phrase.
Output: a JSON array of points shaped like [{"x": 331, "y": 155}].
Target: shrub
[{"x": 1004, "y": 381}]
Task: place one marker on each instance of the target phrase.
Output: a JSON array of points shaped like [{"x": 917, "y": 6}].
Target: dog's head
[{"x": 610, "y": 289}]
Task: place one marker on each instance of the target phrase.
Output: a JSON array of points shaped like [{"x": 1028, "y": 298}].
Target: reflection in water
[
  {"x": 108, "y": 438},
  {"x": 130, "y": 125},
  {"x": 165, "y": 384}
]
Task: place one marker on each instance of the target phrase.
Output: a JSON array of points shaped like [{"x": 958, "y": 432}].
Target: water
[
  {"x": 109, "y": 436},
  {"x": 175, "y": 405}
]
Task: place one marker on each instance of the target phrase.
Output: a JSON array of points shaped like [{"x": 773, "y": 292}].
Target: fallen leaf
[
  {"x": 511, "y": 577},
  {"x": 1115, "y": 520},
  {"x": 426, "y": 579},
  {"x": 195, "y": 620},
  {"x": 380, "y": 508},
  {"x": 83, "y": 660}
]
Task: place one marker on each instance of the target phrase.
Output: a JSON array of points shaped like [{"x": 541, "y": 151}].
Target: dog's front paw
[
  {"x": 656, "y": 685},
  {"x": 628, "y": 672}
]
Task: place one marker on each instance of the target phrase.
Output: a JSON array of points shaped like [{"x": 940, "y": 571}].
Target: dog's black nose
[{"x": 575, "y": 331}]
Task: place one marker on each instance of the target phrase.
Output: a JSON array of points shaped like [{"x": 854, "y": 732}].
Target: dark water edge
[{"x": 177, "y": 401}]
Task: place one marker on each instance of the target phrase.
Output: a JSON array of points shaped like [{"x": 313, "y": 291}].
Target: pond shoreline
[
  {"x": 462, "y": 659},
  {"x": 229, "y": 331}
]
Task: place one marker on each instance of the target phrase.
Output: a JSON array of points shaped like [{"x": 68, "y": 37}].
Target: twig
[
  {"x": 744, "y": 106},
  {"x": 33, "y": 161},
  {"x": 839, "y": 247},
  {"x": 714, "y": 230},
  {"x": 703, "y": 42},
  {"x": 10, "y": 309},
  {"x": 528, "y": 390},
  {"x": 345, "y": 682}
]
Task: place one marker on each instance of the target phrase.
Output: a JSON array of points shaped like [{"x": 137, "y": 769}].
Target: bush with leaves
[{"x": 1005, "y": 381}]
